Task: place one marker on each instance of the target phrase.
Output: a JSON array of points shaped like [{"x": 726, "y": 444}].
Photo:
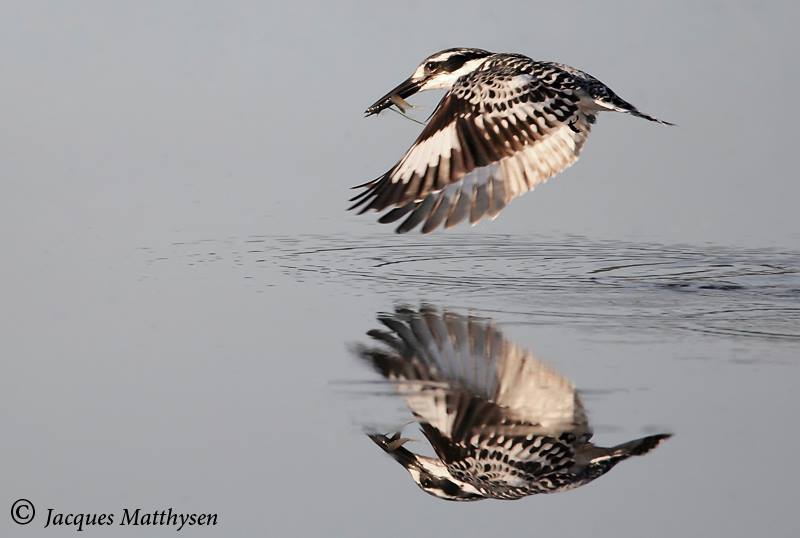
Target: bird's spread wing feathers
[
  {"x": 493, "y": 413},
  {"x": 460, "y": 375},
  {"x": 497, "y": 418},
  {"x": 494, "y": 136}
]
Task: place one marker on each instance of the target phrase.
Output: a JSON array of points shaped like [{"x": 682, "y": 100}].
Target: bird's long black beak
[
  {"x": 407, "y": 88},
  {"x": 394, "y": 447}
]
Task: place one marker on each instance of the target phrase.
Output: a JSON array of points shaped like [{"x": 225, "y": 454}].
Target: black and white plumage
[
  {"x": 506, "y": 124},
  {"x": 502, "y": 423}
]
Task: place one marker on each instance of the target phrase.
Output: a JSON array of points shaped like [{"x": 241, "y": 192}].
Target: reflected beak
[
  {"x": 405, "y": 89},
  {"x": 394, "y": 447}
]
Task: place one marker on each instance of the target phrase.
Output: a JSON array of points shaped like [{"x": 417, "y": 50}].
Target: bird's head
[
  {"x": 439, "y": 70},
  {"x": 430, "y": 474}
]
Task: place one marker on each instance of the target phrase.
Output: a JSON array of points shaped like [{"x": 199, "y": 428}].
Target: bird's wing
[
  {"x": 535, "y": 393},
  {"x": 460, "y": 375},
  {"x": 494, "y": 136}
]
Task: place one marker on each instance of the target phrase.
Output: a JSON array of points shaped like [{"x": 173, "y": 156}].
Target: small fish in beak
[
  {"x": 394, "y": 447},
  {"x": 395, "y": 97},
  {"x": 400, "y": 103},
  {"x": 397, "y": 441}
]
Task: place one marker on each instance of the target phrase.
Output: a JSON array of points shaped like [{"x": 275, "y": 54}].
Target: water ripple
[{"x": 708, "y": 289}]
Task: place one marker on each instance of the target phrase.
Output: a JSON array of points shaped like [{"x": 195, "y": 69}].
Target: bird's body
[
  {"x": 503, "y": 424},
  {"x": 506, "y": 124}
]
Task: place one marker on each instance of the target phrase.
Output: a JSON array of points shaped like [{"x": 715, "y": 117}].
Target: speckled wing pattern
[
  {"x": 500, "y": 131},
  {"x": 496, "y": 416}
]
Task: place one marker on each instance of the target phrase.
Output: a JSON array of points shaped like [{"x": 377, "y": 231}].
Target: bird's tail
[
  {"x": 612, "y": 101},
  {"x": 637, "y": 447},
  {"x": 648, "y": 117}
]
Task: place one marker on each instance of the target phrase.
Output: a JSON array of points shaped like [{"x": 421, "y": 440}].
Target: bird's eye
[
  {"x": 426, "y": 482},
  {"x": 430, "y": 66}
]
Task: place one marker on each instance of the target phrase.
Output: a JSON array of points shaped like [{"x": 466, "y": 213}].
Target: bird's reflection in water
[{"x": 502, "y": 423}]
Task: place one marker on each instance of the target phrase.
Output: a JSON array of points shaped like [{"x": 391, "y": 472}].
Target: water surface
[
  {"x": 216, "y": 374},
  {"x": 699, "y": 340}
]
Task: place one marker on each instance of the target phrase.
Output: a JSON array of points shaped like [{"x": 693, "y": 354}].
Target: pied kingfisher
[
  {"x": 502, "y": 423},
  {"x": 506, "y": 124}
]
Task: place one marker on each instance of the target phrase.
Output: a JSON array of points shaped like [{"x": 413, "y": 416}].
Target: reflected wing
[
  {"x": 460, "y": 375},
  {"x": 497, "y": 417},
  {"x": 495, "y": 135}
]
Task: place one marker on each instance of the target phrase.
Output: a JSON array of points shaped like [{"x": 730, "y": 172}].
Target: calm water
[
  {"x": 217, "y": 375},
  {"x": 701, "y": 341}
]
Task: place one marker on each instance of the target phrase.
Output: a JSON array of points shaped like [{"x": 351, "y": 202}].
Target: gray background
[{"x": 130, "y": 129}]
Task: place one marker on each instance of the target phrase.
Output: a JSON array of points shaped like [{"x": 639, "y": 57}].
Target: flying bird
[
  {"x": 503, "y": 424},
  {"x": 506, "y": 124}
]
